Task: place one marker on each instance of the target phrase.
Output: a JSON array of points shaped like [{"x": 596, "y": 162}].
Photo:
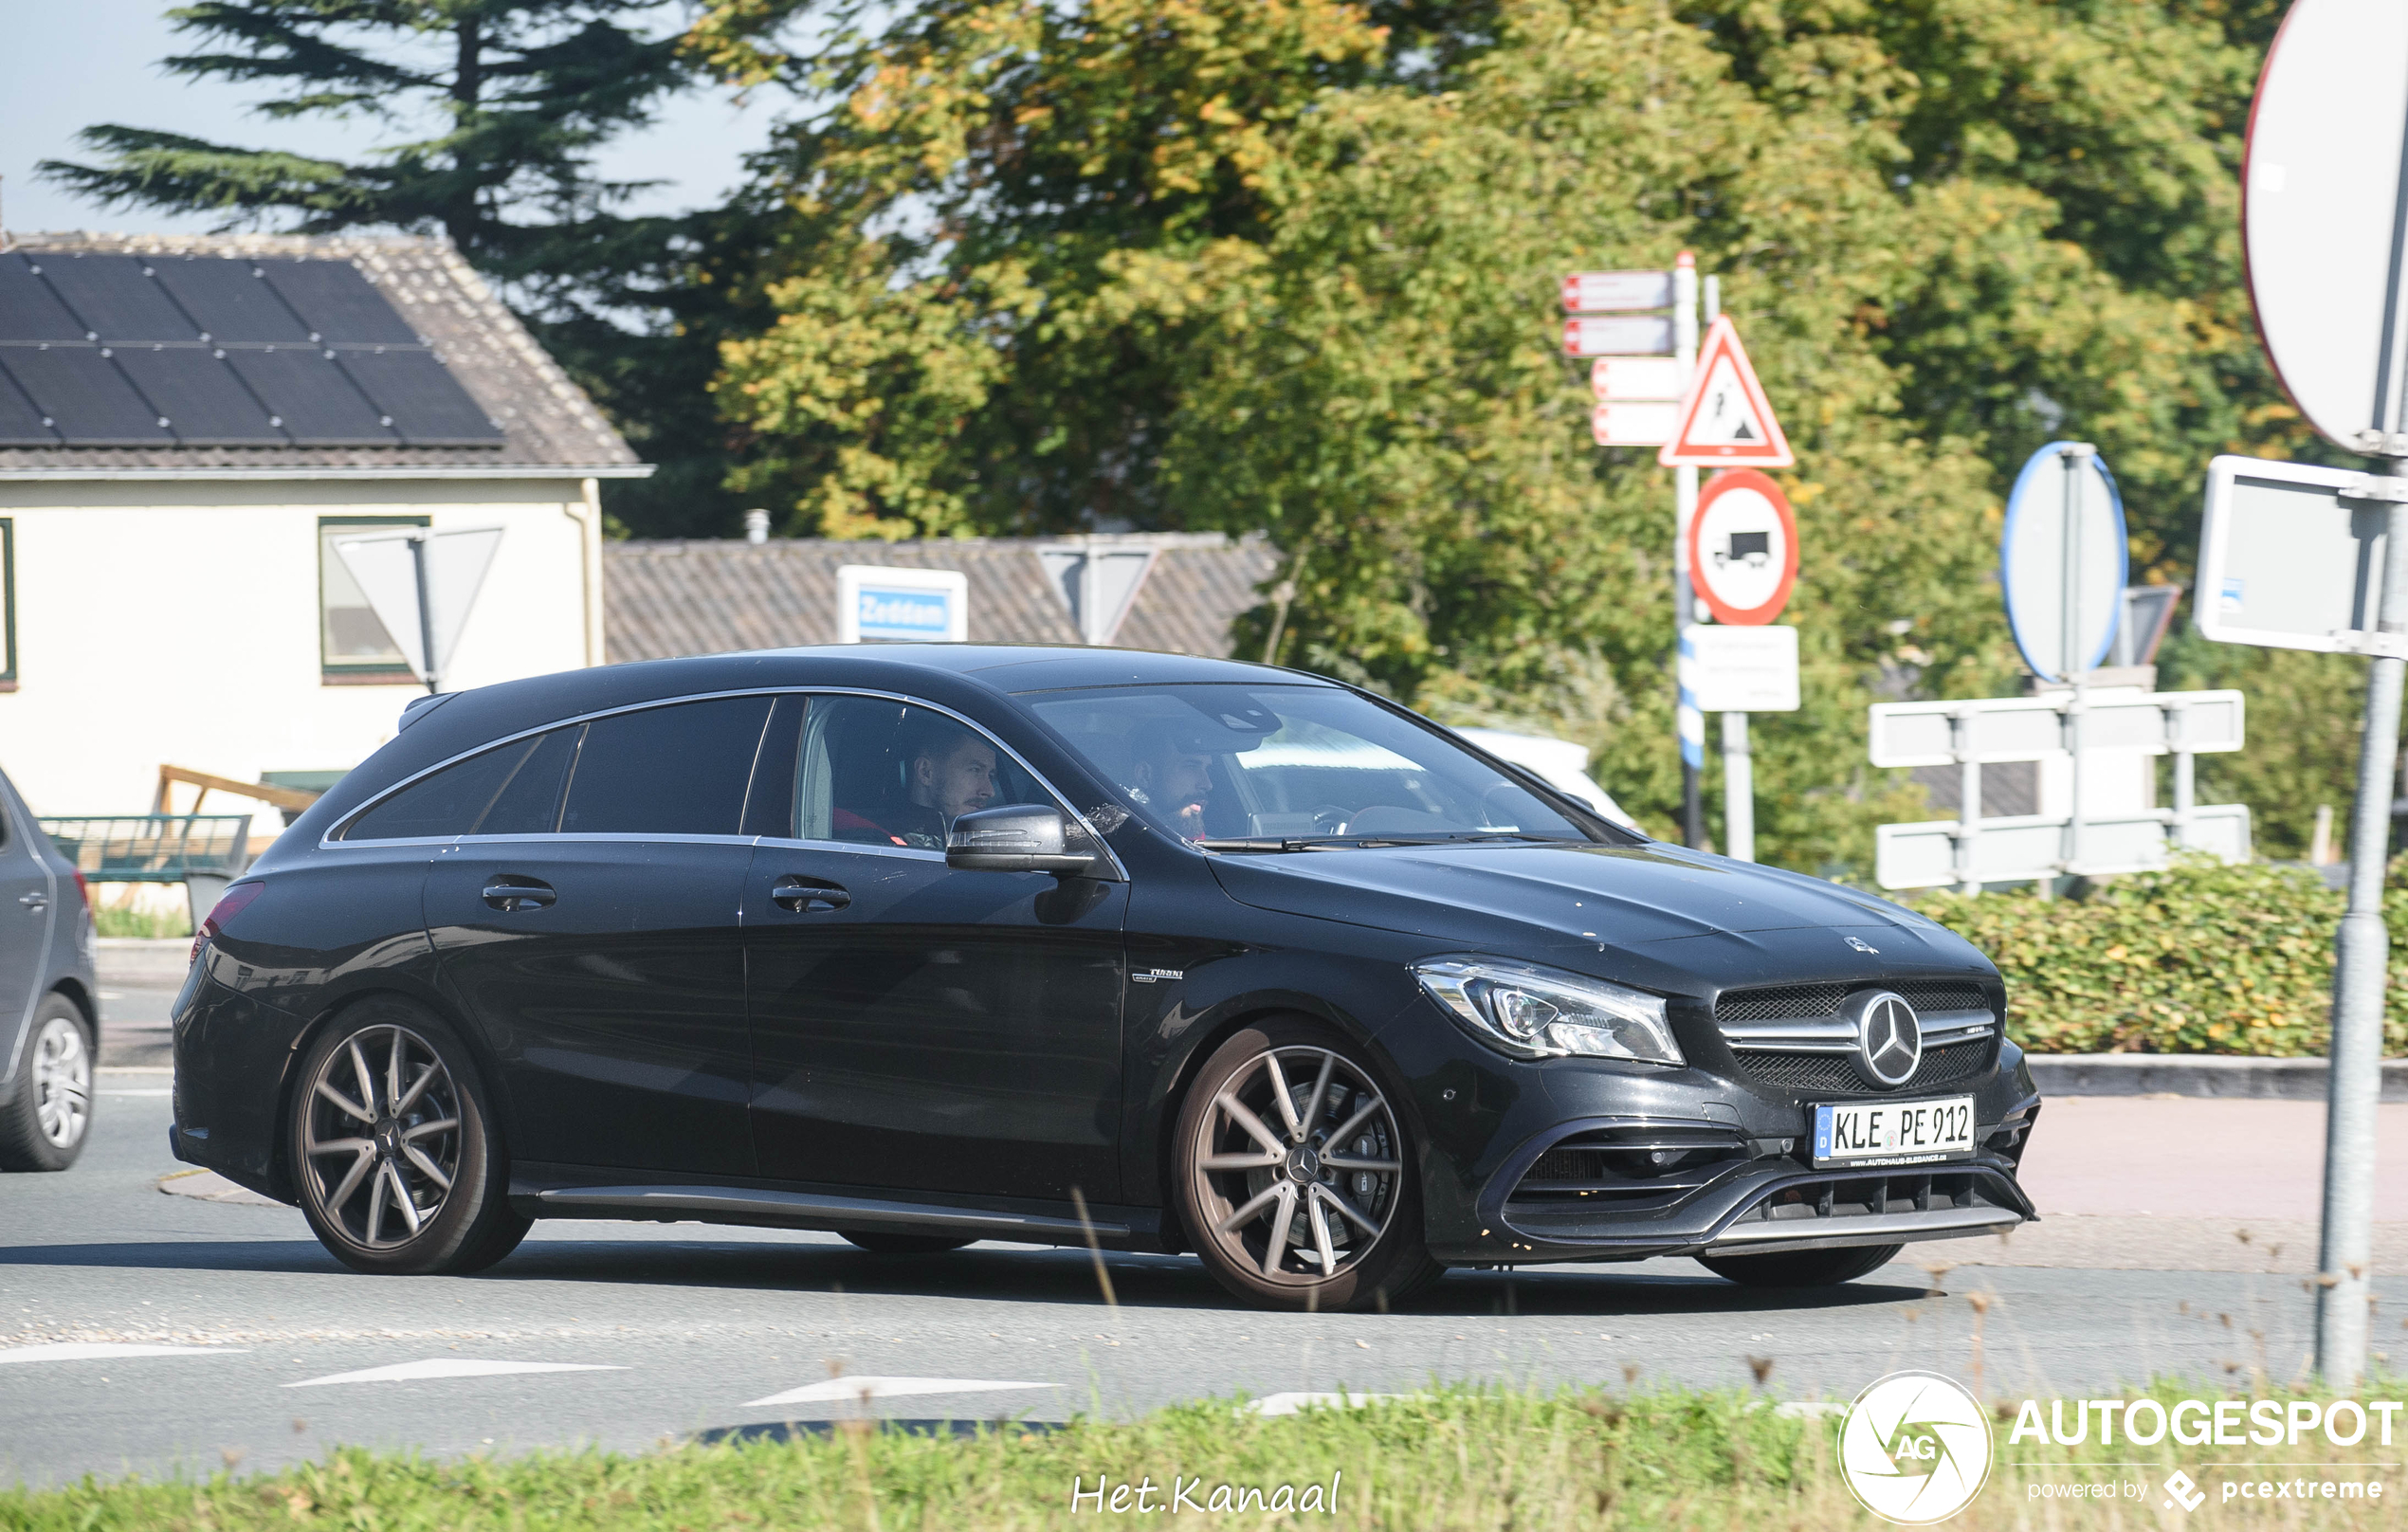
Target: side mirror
[{"x": 1019, "y": 837}]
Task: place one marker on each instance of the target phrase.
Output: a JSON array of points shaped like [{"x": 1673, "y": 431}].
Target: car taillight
[
  {"x": 83, "y": 892},
  {"x": 230, "y": 903}
]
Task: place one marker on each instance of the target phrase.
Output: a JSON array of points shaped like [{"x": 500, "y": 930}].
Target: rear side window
[
  {"x": 666, "y": 771},
  {"x": 510, "y": 790}
]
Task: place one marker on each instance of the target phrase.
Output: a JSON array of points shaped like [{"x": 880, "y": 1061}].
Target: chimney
[{"x": 756, "y": 526}]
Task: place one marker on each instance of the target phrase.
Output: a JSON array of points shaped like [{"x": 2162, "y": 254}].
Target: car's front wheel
[
  {"x": 1295, "y": 1176},
  {"x": 394, "y": 1147},
  {"x": 1801, "y": 1269},
  {"x": 44, "y": 1123}
]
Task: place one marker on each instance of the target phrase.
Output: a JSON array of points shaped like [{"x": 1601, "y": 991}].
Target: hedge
[{"x": 2200, "y": 959}]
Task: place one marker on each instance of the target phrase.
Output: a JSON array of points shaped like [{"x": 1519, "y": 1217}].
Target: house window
[
  {"x": 8, "y": 604},
  {"x": 353, "y": 644}
]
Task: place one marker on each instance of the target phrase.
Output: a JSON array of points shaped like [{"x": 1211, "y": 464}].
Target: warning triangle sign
[{"x": 1726, "y": 421}]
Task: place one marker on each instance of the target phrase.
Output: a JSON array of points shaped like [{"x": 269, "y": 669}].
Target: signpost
[
  {"x": 2324, "y": 228},
  {"x": 421, "y": 584},
  {"x": 881, "y": 604},
  {"x": 1726, "y": 420}
]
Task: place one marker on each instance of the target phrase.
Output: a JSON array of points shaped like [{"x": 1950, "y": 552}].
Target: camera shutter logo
[
  {"x": 1888, "y": 1038},
  {"x": 1915, "y": 1448}
]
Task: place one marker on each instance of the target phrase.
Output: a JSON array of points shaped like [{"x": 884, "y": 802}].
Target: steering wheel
[{"x": 1330, "y": 819}]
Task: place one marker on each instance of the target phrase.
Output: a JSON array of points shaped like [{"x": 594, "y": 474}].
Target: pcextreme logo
[{"x": 1915, "y": 1448}]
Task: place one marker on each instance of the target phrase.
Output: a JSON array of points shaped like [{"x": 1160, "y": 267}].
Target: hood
[{"x": 1520, "y": 900}]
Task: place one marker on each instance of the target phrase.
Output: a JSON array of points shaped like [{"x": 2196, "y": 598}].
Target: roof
[
  {"x": 547, "y": 425},
  {"x": 663, "y": 600}
]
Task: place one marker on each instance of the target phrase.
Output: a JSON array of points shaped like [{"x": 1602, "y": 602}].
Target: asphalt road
[{"x": 645, "y": 1332}]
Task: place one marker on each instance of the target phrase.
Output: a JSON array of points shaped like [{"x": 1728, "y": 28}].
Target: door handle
[
  {"x": 802, "y": 896},
  {"x": 34, "y": 902},
  {"x": 528, "y": 894}
]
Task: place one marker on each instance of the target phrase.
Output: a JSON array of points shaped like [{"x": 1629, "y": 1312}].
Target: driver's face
[
  {"x": 1180, "y": 785},
  {"x": 961, "y": 783}
]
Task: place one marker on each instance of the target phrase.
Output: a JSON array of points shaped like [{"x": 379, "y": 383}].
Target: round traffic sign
[
  {"x": 2320, "y": 221},
  {"x": 2061, "y": 559},
  {"x": 1744, "y": 547}
]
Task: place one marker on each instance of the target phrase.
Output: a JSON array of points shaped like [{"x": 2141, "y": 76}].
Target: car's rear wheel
[
  {"x": 394, "y": 1147},
  {"x": 1801, "y": 1269},
  {"x": 878, "y": 1243},
  {"x": 1295, "y": 1176},
  {"x": 44, "y": 1123}
]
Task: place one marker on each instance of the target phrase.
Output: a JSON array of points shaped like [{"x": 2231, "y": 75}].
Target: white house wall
[{"x": 178, "y": 623}]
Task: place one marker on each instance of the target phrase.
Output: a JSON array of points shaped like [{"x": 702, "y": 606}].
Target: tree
[{"x": 514, "y": 98}]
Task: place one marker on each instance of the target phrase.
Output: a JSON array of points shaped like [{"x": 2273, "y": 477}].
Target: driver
[
  {"x": 949, "y": 772},
  {"x": 1174, "y": 775}
]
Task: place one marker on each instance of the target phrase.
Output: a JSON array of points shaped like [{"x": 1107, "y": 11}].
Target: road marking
[
  {"x": 133, "y": 1093},
  {"x": 411, "y": 1372},
  {"x": 94, "y": 1350},
  {"x": 846, "y": 1389},
  {"x": 1288, "y": 1404}
]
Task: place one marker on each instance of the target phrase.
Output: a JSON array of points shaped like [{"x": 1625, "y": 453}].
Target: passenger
[
  {"x": 1172, "y": 774},
  {"x": 947, "y": 773}
]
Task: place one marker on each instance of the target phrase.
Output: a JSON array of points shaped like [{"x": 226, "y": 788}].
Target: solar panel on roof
[
  {"x": 28, "y": 309},
  {"x": 231, "y": 300},
  {"x": 338, "y": 303},
  {"x": 114, "y": 299},
  {"x": 424, "y": 401},
  {"x": 206, "y": 404},
  {"x": 309, "y": 396},
  {"x": 21, "y": 424},
  {"x": 88, "y": 400}
]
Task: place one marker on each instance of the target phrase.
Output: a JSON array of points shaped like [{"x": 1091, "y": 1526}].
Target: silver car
[{"x": 49, "y": 1002}]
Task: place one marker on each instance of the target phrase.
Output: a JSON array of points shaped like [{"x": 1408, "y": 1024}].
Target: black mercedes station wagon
[{"x": 927, "y": 944}]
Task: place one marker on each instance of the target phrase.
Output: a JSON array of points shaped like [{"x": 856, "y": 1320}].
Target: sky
[{"x": 99, "y": 63}]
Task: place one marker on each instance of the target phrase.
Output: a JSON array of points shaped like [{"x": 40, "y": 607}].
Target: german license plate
[{"x": 1894, "y": 1133}]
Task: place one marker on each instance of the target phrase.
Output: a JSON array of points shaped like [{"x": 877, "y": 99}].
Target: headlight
[{"x": 1536, "y": 1012}]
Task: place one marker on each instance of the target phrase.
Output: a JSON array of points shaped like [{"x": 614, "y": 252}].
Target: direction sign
[
  {"x": 421, "y": 585},
  {"x": 1726, "y": 420},
  {"x": 1621, "y": 335},
  {"x": 2321, "y": 214},
  {"x": 876, "y": 604},
  {"x": 2290, "y": 559},
  {"x": 1745, "y": 669},
  {"x": 1606, "y": 292},
  {"x": 1616, "y": 378},
  {"x": 1637, "y": 423},
  {"x": 2061, "y": 559},
  {"x": 1744, "y": 548}
]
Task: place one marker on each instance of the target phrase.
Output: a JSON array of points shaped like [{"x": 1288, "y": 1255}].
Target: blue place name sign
[{"x": 904, "y": 615}]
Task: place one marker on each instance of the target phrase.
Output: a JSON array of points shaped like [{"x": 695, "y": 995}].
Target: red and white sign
[
  {"x": 1621, "y": 335},
  {"x": 1634, "y": 423},
  {"x": 1744, "y": 548},
  {"x": 1615, "y": 292},
  {"x": 1726, "y": 420},
  {"x": 1614, "y": 378}
]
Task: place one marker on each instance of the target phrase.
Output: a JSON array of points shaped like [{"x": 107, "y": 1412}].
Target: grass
[
  {"x": 116, "y": 921},
  {"x": 1453, "y": 1458}
]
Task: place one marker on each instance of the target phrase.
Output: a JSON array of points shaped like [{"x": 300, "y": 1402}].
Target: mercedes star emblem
[{"x": 1888, "y": 1038}]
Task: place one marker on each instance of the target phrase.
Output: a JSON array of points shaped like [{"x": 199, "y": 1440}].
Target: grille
[
  {"x": 1802, "y": 1001},
  {"x": 1833, "y": 1074}
]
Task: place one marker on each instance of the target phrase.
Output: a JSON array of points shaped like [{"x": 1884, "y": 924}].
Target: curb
[
  {"x": 142, "y": 963},
  {"x": 2175, "y": 1074}
]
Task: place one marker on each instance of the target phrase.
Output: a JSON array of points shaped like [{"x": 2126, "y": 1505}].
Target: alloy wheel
[
  {"x": 381, "y": 1136},
  {"x": 1299, "y": 1165},
  {"x": 62, "y": 1083}
]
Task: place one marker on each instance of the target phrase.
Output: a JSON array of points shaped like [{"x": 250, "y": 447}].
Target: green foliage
[
  {"x": 125, "y": 921},
  {"x": 520, "y": 94},
  {"x": 2200, "y": 959},
  {"x": 1226, "y": 264}
]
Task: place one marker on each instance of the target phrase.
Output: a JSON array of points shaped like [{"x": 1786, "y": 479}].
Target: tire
[
  {"x": 1801, "y": 1269},
  {"x": 355, "y": 1159},
  {"x": 1230, "y": 1187},
  {"x": 878, "y": 1243},
  {"x": 46, "y": 1124}
]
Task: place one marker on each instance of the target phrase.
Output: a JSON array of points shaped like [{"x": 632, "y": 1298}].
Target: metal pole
[
  {"x": 1689, "y": 722},
  {"x": 2077, "y": 459},
  {"x": 1968, "y": 800},
  {"x": 2178, "y": 725},
  {"x": 1738, "y": 790},
  {"x": 426, "y": 608},
  {"x": 2361, "y": 955}
]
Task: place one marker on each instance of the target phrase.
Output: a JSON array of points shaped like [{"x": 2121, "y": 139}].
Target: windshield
[{"x": 1269, "y": 767}]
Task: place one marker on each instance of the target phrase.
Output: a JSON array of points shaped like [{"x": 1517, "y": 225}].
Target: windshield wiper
[{"x": 1326, "y": 843}]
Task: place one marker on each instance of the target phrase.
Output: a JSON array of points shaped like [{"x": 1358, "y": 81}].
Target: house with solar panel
[{"x": 190, "y": 424}]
